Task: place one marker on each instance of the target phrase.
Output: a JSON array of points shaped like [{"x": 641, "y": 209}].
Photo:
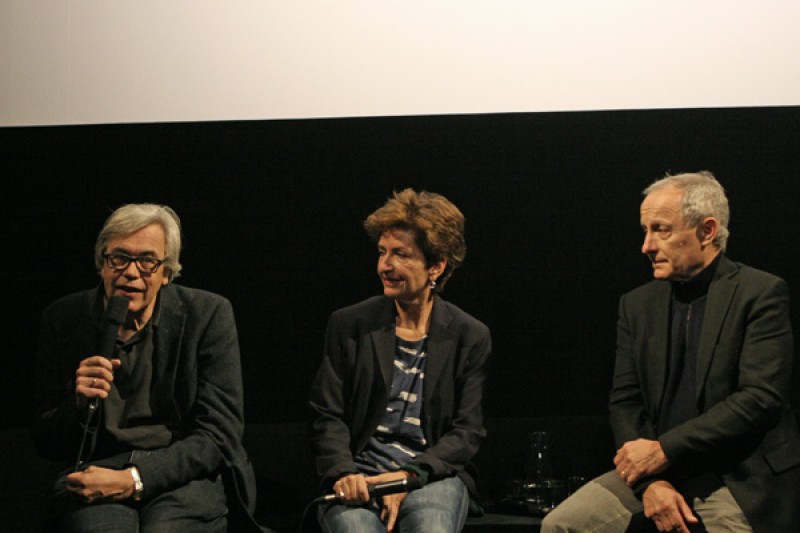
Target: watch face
[{"x": 138, "y": 486}]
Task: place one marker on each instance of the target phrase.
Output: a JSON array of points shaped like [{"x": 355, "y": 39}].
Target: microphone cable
[
  {"x": 113, "y": 317},
  {"x": 87, "y": 429}
]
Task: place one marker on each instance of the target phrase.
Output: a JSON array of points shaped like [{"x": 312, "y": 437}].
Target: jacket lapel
[
  {"x": 167, "y": 335},
  {"x": 658, "y": 344},
  {"x": 440, "y": 347},
  {"x": 720, "y": 296},
  {"x": 383, "y": 341}
]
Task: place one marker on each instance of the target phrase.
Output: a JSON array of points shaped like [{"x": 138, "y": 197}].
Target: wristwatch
[{"x": 138, "y": 486}]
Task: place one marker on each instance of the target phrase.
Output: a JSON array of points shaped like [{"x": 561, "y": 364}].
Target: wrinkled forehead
[{"x": 664, "y": 204}]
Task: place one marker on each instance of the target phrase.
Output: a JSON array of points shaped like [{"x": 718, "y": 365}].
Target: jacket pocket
[{"x": 784, "y": 457}]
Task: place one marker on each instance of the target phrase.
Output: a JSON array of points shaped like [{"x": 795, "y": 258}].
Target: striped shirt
[{"x": 399, "y": 437}]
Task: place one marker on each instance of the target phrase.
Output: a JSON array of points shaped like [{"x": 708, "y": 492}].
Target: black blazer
[
  {"x": 196, "y": 371},
  {"x": 746, "y": 431},
  {"x": 350, "y": 391}
]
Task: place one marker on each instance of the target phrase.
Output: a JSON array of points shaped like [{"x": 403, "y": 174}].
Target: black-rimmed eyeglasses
[{"x": 144, "y": 263}]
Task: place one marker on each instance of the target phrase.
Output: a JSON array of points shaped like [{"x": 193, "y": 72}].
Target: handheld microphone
[
  {"x": 116, "y": 311},
  {"x": 392, "y": 487},
  {"x": 381, "y": 489}
]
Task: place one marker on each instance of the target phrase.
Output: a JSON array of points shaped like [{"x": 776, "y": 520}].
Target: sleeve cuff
[
  {"x": 417, "y": 471},
  {"x": 640, "y": 486}
]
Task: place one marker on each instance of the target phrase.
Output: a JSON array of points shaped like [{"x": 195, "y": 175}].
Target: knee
[
  {"x": 109, "y": 517},
  {"x": 431, "y": 519},
  {"x": 555, "y": 522},
  {"x": 441, "y": 506},
  {"x": 571, "y": 515},
  {"x": 338, "y": 517}
]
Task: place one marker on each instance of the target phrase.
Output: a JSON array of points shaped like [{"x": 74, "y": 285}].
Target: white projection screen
[{"x": 124, "y": 61}]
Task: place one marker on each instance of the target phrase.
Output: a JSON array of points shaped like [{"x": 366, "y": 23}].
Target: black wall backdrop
[{"x": 272, "y": 215}]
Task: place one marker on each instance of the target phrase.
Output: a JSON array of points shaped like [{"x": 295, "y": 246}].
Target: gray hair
[
  {"x": 131, "y": 218},
  {"x": 703, "y": 196}
]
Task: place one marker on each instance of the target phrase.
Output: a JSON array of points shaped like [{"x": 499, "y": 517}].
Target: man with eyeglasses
[{"x": 156, "y": 426}]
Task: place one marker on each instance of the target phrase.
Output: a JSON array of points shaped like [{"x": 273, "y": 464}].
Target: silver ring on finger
[{"x": 94, "y": 380}]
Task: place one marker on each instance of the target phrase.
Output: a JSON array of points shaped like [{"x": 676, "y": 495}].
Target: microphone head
[
  {"x": 395, "y": 486},
  {"x": 413, "y": 483},
  {"x": 117, "y": 309}
]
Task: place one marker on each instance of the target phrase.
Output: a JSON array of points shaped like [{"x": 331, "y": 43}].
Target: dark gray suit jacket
[
  {"x": 196, "y": 371},
  {"x": 350, "y": 391},
  {"x": 746, "y": 431}
]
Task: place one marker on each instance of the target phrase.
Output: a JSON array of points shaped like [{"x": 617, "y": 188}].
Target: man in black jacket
[
  {"x": 155, "y": 427},
  {"x": 700, "y": 400}
]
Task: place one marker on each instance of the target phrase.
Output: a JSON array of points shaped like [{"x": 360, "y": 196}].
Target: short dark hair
[{"x": 437, "y": 224}]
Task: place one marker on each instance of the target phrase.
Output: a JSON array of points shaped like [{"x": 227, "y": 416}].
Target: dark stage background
[{"x": 272, "y": 215}]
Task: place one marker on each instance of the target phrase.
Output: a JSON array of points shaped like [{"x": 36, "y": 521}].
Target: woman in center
[{"x": 399, "y": 390}]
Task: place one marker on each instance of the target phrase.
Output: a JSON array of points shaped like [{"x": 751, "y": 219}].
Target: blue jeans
[{"x": 438, "y": 507}]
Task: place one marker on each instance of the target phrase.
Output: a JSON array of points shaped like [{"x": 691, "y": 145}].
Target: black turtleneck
[{"x": 688, "y": 306}]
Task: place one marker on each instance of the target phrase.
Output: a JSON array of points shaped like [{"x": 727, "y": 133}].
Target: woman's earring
[{"x": 433, "y": 283}]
